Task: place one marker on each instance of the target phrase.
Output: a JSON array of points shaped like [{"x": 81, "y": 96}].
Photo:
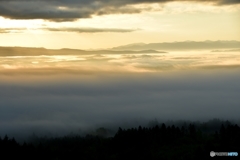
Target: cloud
[
  {"x": 228, "y": 2},
  {"x": 70, "y": 10},
  {"x": 78, "y": 30},
  {"x": 221, "y": 67},
  {"x": 12, "y": 30},
  {"x": 62, "y": 102},
  {"x": 89, "y": 30},
  {"x": 40, "y": 61}
]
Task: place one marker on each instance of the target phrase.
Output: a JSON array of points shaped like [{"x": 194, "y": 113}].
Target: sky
[
  {"x": 55, "y": 90},
  {"x": 92, "y": 24}
]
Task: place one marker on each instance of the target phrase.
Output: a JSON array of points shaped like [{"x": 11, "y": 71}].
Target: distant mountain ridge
[
  {"x": 137, "y": 48},
  {"x": 185, "y": 45}
]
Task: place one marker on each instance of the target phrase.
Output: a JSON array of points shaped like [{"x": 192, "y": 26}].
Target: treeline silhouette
[{"x": 157, "y": 142}]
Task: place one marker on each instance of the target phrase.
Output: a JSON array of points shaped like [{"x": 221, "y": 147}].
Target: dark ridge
[
  {"x": 186, "y": 45},
  {"x": 21, "y": 51}
]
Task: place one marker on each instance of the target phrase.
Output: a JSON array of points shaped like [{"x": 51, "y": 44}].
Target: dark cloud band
[
  {"x": 70, "y": 10},
  {"x": 76, "y": 30},
  {"x": 89, "y": 30}
]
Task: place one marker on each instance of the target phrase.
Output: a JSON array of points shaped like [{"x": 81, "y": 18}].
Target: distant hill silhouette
[{"x": 186, "y": 45}]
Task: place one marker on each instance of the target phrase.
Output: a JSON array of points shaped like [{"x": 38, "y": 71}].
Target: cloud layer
[
  {"x": 70, "y": 10},
  {"x": 34, "y": 61},
  {"x": 63, "y": 103}
]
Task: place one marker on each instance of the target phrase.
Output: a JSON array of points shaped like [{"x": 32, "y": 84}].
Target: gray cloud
[
  {"x": 221, "y": 67},
  {"x": 89, "y": 30},
  {"x": 70, "y": 10},
  {"x": 78, "y": 30}
]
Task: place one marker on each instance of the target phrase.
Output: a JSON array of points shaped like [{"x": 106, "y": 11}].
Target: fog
[{"x": 61, "y": 104}]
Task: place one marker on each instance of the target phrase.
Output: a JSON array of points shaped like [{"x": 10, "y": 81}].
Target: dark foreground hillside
[{"x": 159, "y": 142}]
